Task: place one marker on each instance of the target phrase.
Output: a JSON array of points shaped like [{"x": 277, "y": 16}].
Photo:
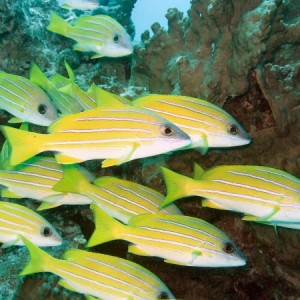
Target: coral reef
[
  {"x": 242, "y": 55},
  {"x": 211, "y": 53}
]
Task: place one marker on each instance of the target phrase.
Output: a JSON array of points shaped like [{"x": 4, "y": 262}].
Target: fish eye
[
  {"x": 163, "y": 295},
  {"x": 233, "y": 129},
  {"x": 46, "y": 231},
  {"x": 228, "y": 248},
  {"x": 42, "y": 108},
  {"x": 167, "y": 130},
  {"x": 116, "y": 38}
]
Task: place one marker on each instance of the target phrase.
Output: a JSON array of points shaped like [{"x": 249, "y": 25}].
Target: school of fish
[{"x": 96, "y": 124}]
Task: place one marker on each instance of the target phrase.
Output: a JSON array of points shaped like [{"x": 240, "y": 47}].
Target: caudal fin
[
  {"x": 23, "y": 144},
  {"x": 177, "y": 186},
  {"x": 59, "y": 25},
  {"x": 73, "y": 181},
  {"x": 40, "y": 260},
  {"x": 38, "y": 77},
  {"x": 107, "y": 228}
]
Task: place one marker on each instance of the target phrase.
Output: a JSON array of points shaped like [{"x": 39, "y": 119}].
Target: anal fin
[
  {"x": 135, "y": 249},
  {"x": 66, "y": 159},
  {"x": 211, "y": 203}
]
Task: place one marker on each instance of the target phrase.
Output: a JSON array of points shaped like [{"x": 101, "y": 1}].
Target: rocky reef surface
[{"x": 241, "y": 55}]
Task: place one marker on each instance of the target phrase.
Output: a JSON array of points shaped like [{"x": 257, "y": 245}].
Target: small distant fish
[
  {"x": 79, "y": 4},
  {"x": 100, "y": 34},
  {"x": 17, "y": 221},
  {"x": 266, "y": 195},
  {"x": 35, "y": 179},
  {"x": 207, "y": 124},
  {"x": 117, "y": 135},
  {"x": 98, "y": 275},
  {"x": 25, "y": 100},
  {"x": 64, "y": 103},
  {"x": 178, "y": 240},
  {"x": 121, "y": 199}
]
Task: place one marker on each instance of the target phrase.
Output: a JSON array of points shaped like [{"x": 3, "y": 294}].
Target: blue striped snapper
[
  {"x": 263, "y": 194},
  {"x": 17, "y": 221},
  {"x": 35, "y": 179},
  {"x": 79, "y": 4},
  {"x": 65, "y": 104},
  {"x": 121, "y": 199},
  {"x": 25, "y": 100},
  {"x": 98, "y": 275},
  {"x": 178, "y": 240},
  {"x": 100, "y": 34},
  {"x": 207, "y": 124},
  {"x": 117, "y": 135}
]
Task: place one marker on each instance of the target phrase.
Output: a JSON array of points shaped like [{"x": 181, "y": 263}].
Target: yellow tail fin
[
  {"x": 107, "y": 228},
  {"x": 40, "y": 260},
  {"x": 177, "y": 186},
  {"x": 59, "y": 25},
  {"x": 73, "y": 181},
  {"x": 23, "y": 144}
]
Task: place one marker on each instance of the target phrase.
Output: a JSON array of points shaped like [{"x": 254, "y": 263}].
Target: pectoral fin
[
  {"x": 118, "y": 161},
  {"x": 195, "y": 255},
  {"x": 263, "y": 219}
]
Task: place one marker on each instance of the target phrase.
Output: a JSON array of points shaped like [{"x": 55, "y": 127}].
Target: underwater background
[{"x": 241, "y": 55}]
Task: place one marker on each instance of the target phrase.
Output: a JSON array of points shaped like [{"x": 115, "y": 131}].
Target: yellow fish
[
  {"x": 17, "y": 221},
  {"x": 177, "y": 239},
  {"x": 98, "y": 275},
  {"x": 100, "y": 34},
  {"x": 207, "y": 124},
  {"x": 25, "y": 100},
  {"x": 266, "y": 195},
  {"x": 35, "y": 179},
  {"x": 121, "y": 199},
  {"x": 117, "y": 135},
  {"x": 79, "y": 4}
]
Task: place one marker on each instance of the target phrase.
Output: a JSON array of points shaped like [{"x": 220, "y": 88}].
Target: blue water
[{"x": 144, "y": 16}]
